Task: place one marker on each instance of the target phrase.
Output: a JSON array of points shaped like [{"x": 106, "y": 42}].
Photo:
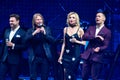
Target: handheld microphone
[
  {"x": 6, "y": 40},
  {"x": 40, "y": 25}
]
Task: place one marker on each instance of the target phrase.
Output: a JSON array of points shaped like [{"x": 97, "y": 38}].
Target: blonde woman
[{"x": 72, "y": 46}]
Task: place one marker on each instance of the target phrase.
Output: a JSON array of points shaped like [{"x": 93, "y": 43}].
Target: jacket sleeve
[
  {"x": 21, "y": 44},
  {"x": 106, "y": 40},
  {"x": 48, "y": 37},
  {"x": 89, "y": 34}
]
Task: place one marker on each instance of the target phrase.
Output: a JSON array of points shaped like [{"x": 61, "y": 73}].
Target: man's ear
[{"x": 104, "y": 18}]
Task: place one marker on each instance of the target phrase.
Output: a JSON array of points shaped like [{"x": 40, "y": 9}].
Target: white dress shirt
[
  {"x": 98, "y": 29},
  {"x": 12, "y": 33}
]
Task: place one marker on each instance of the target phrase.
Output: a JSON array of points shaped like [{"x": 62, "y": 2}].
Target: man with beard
[
  {"x": 38, "y": 39},
  {"x": 13, "y": 44}
]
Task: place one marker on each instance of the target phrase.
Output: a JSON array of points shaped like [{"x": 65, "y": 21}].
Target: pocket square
[{"x": 17, "y": 35}]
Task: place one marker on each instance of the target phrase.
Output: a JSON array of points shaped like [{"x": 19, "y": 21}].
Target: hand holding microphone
[
  {"x": 8, "y": 43},
  {"x": 73, "y": 39},
  {"x": 97, "y": 49},
  {"x": 6, "y": 40},
  {"x": 98, "y": 36},
  {"x": 36, "y": 31},
  {"x": 42, "y": 30},
  {"x": 39, "y": 29}
]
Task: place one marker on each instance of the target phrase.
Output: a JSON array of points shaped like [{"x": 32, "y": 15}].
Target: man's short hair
[
  {"x": 101, "y": 11},
  {"x": 16, "y": 16}
]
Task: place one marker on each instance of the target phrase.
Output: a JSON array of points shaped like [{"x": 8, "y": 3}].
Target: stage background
[{"x": 55, "y": 13}]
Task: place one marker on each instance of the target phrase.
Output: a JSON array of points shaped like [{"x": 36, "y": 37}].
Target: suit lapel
[
  {"x": 7, "y": 34},
  {"x": 17, "y": 32},
  {"x": 101, "y": 32},
  {"x": 94, "y": 30}
]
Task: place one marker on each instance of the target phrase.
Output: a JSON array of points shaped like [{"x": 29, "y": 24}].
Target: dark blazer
[
  {"x": 95, "y": 42},
  {"x": 48, "y": 39},
  {"x": 9, "y": 54}
]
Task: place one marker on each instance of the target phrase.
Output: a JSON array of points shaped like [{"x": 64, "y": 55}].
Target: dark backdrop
[{"x": 55, "y": 13}]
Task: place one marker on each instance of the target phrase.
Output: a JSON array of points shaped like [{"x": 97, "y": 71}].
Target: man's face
[
  {"x": 13, "y": 22},
  {"x": 38, "y": 20},
  {"x": 100, "y": 18}
]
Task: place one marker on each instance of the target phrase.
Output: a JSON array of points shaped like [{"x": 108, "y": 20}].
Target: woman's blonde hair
[{"x": 76, "y": 16}]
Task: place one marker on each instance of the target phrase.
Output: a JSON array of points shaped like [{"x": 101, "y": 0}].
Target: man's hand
[
  {"x": 98, "y": 36},
  {"x": 97, "y": 49},
  {"x": 42, "y": 30},
  {"x": 36, "y": 31},
  {"x": 10, "y": 44},
  {"x": 73, "y": 40}
]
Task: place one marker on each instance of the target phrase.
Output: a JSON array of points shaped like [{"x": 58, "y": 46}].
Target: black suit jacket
[
  {"x": 9, "y": 54},
  {"x": 48, "y": 41}
]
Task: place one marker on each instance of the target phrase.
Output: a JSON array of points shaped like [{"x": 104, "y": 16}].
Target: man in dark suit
[
  {"x": 99, "y": 37},
  {"x": 13, "y": 44},
  {"x": 38, "y": 39}
]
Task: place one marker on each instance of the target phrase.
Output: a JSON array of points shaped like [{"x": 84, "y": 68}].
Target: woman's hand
[
  {"x": 60, "y": 60},
  {"x": 73, "y": 40}
]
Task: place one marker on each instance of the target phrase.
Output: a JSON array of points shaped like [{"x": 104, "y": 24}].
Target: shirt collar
[
  {"x": 100, "y": 27},
  {"x": 15, "y": 29}
]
